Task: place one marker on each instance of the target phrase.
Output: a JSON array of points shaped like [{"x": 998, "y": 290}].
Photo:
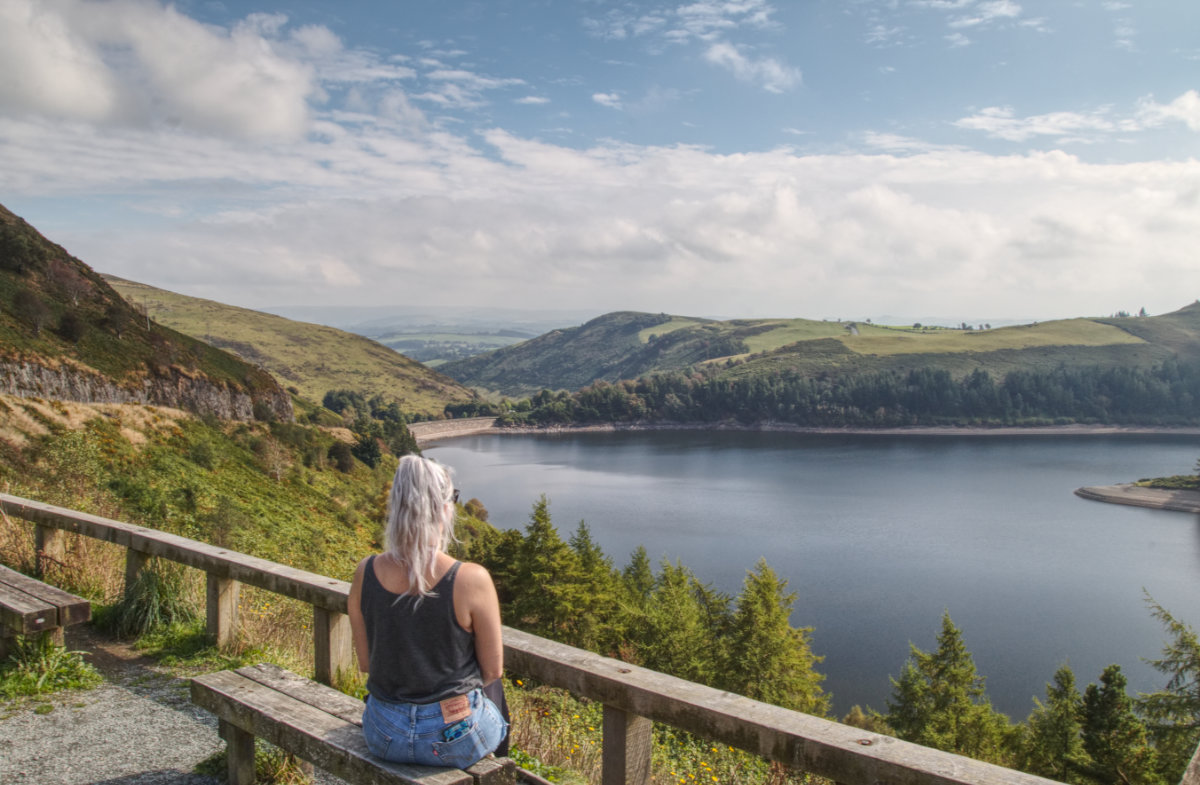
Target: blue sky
[{"x": 968, "y": 159}]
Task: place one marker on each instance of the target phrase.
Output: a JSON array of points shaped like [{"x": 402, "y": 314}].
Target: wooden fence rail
[{"x": 633, "y": 697}]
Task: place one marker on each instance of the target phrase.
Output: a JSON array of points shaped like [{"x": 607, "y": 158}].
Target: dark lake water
[{"x": 877, "y": 535}]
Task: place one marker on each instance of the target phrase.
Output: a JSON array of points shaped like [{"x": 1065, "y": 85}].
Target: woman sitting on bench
[{"x": 427, "y": 631}]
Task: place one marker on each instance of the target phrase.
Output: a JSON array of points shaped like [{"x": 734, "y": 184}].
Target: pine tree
[
  {"x": 1054, "y": 747},
  {"x": 1113, "y": 735},
  {"x": 638, "y": 575},
  {"x": 769, "y": 659},
  {"x": 668, "y": 632},
  {"x": 1173, "y": 713},
  {"x": 599, "y": 625},
  {"x": 546, "y": 592},
  {"x": 939, "y": 701}
]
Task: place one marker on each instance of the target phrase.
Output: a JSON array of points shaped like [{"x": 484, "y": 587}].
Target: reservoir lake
[{"x": 878, "y": 534}]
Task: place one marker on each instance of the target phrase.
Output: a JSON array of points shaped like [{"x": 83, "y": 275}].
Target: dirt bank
[{"x": 1133, "y": 495}]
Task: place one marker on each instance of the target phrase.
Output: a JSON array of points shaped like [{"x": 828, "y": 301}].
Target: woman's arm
[
  {"x": 483, "y": 608},
  {"x": 357, "y": 627}
]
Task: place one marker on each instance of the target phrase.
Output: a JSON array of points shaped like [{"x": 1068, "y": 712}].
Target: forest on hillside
[{"x": 1166, "y": 394}]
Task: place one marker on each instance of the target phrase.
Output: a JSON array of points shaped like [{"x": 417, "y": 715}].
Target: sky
[{"x": 973, "y": 159}]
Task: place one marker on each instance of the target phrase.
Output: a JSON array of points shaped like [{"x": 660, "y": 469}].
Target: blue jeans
[{"x": 412, "y": 732}]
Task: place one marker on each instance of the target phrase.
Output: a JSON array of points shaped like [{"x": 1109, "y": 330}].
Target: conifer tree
[
  {"x": 768, "y": 658},
  {"x": 1113, "y": 735},
  {"x": 598, "y": 625},
  {"x": 939, "y": 701},
  {"x": 545, "y": 579},
  {"x": 1054, "y": 747},
  {"x": 668, "y": 632},
  {"x": 1173, "y": 713},
  {"x": 638, "y": 575}
]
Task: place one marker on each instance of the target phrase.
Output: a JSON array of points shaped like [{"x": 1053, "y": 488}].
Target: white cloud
[
  {"x": 1185, "y": 109},
  {"x": 1003, "y": 123},
  {"x": 768, "y": 73},
  {"x": 123, "y": 62},
  {"x": 882, "y": 35},
  {"x": 611, "y": 100},
  {"x": 533, "y": 100},
  {"x": 987, "y": 13},
  {"x": 363, "y": 215}
]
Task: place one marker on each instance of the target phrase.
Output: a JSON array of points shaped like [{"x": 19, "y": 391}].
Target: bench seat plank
[
  {"x": 306, "y": 691},
  {"x": 28, "y": 606},
  {"x": 22, "y": 614},
  {"x": 328, "y": 741},
  {"x": 350, "y": 709},
  {"x": 70, "y": 608}
]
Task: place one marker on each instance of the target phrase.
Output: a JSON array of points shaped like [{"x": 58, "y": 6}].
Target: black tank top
[{"x": 419, "y": 652}]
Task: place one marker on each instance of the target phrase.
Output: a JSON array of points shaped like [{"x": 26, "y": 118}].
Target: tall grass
[
  {"x": 37, "y": 666},
  {"x": 157, "y": 600}
]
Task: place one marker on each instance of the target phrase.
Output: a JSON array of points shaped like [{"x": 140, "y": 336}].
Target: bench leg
[{"x": 239, "y": 753}]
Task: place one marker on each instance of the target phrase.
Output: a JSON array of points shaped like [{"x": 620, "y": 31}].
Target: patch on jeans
[{"x": 456, "y": 708}]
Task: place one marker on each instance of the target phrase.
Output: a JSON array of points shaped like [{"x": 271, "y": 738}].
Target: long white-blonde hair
[{"x": 419, "y": 524}]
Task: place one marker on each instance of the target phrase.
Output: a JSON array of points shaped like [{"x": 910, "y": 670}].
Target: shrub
[{"x": 157, "y": 599}]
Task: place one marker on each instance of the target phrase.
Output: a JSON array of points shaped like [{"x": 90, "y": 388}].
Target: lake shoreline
[
  {"x": 1137, "y": 496},
  {"x": 438, "y": 430}
]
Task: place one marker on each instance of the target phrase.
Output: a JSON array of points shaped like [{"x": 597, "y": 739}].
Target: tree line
[
  {"x": 1165, "y": 394},
  {"x": 666, "y": 619}
]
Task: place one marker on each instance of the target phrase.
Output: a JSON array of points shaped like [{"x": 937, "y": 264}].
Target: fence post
[
  {"x": 331, "y": 644},
  {"x": 49, "y": 545},
  {"x": 221, "y": 609},
  {"x": 135, "y": 561},
  {"x": 625, "y": 759}
]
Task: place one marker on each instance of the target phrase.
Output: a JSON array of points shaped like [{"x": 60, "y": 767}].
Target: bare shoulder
[
  {"x": 474, "y": 575},
  {"x": 473, "y": 572}
]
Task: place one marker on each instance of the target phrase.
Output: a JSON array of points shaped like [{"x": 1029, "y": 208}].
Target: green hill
[
  {"x": 627, "y": 345},
  {"x": 65, "y": 333},
  {"x": 311, "y": 358}
]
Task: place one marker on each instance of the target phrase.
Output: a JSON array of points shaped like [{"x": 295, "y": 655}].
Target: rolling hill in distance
[
  {"x": 312, "y": 358},
  {"x": 627, "y": 345}
]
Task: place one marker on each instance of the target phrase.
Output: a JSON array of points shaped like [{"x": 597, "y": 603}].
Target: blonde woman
[{"x": 426, "y": 631}]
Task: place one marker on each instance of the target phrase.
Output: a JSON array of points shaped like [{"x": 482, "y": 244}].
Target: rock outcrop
[{"x": 175, "y": 389}]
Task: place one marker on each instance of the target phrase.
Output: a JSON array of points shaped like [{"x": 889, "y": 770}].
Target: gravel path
[{"x": 138, "y": 728}]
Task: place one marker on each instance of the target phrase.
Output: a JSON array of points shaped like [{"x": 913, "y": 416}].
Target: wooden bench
[
  {"x": 317, "y": 724},
  {"x": 28, "y": 607}
]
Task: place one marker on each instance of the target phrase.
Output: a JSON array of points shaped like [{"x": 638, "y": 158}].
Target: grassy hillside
[
  {"x": 309, "y": 357},
  {"x": 55, "y": 309},
  {"x": 627, "y": 345}
]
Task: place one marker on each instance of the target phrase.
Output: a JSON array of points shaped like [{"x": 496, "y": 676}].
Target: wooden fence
[{"x": 633, "y": 697}]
